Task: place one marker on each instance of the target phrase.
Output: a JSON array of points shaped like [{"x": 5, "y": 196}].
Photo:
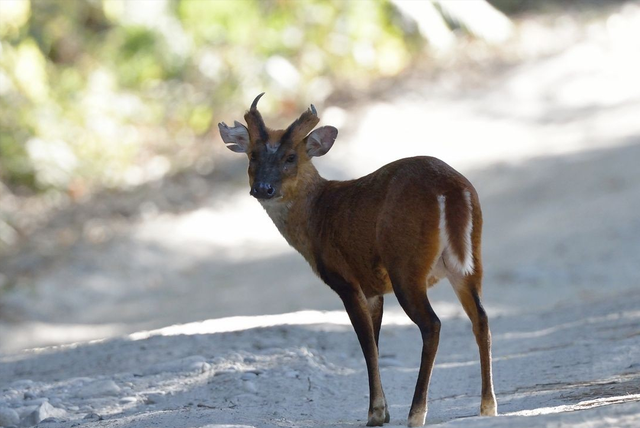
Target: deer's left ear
[
  {"x": 236, "y": 138},
  {"x": 319, "y": 142}
]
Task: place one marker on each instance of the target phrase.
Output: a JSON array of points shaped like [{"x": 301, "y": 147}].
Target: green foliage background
[{"x": 112, "y": 93}]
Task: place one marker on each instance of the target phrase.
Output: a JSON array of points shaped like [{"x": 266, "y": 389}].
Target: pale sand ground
[{"x": 552, "y": 146}]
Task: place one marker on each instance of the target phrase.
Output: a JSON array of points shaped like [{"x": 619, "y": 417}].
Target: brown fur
[
  {"x": 380, "y": 233},
  {"x": 301, "y": 127},
  {"x": 256, "y": 126}
]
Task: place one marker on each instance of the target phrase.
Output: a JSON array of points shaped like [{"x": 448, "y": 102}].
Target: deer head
[{"x": 277, "y": 157}]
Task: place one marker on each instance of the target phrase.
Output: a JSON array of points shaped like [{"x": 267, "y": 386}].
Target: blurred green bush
[{"x": 112, "y": 93}]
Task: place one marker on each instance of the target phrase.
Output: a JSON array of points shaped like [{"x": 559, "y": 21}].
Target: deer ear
[
  {"x": 320, "y": 141},
  {"x": 236, "y": 138}
]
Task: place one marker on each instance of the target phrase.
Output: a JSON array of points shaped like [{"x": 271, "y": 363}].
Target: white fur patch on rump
[{"x": 453, "y": 261}]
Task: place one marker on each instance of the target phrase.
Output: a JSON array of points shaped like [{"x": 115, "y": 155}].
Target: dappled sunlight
[
  {"x": 480, "y": 18},
  {"x": 392, "y": 317},
  {"x": 587, "y": 404},
  {"x": 543, "y": 108},
  {"x": 46, "y": 335},
  {"x": 223, "y": 325}
]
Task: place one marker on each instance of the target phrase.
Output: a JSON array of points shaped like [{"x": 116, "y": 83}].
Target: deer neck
[{"x": 290, "y": 213}]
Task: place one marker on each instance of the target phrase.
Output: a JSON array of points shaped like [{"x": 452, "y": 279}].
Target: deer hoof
[
  {"x": 378, "y": 417},
  {"x": 489, "y": 407},
  {"x": 417, "y": 419}
]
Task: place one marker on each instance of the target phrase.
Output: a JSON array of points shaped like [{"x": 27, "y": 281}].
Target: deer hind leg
[
  {"x": 468, "y": 290},
  {"x": 409, "y": 254},
  {"x": 409, "y": 280},
  {"x": 375, "y": 305},
  {"x": 460, "y": 233},
  {"x": 412, "y": 295}
]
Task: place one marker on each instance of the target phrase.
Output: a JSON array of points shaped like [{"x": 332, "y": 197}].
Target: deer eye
[
  {"x": 253, "y": 156},
  {"x": 291, "y": 158}
]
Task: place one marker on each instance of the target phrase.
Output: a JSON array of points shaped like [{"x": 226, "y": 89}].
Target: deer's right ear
[{"x": 236, "y": 138}]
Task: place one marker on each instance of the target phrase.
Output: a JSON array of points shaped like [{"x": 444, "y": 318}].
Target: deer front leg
[
  {"x": 356, "y": 305},
  {"x": 357, "y": 308},
  {"x": 375, "y": 305}
]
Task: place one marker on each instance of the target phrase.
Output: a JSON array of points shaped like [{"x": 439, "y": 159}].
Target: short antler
[
  {"x": 303, "y": 125},
  {"x": 254, "y": 121},
  {"x": 254, "y": 104}
]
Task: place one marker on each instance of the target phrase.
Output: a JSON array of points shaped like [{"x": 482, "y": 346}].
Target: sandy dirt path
[
  {"x": 552, "y": 145},
  {"x": 561, "y": 366}
]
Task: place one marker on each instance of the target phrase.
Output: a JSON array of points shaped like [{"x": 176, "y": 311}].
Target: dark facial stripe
[
  {"x": 254, "y": 120},
  {"x": 286, "y": 137},
  {"x": 300, "y": 127}
]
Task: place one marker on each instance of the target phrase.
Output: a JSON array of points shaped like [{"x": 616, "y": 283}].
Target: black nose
[{"x": 262, "y": 190}]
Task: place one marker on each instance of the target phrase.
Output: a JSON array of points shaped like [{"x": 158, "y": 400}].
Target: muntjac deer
[{"x": 400, "y": 228}]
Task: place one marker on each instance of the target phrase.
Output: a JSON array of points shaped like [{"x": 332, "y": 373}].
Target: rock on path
[{"x": 8, "y": 417}]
